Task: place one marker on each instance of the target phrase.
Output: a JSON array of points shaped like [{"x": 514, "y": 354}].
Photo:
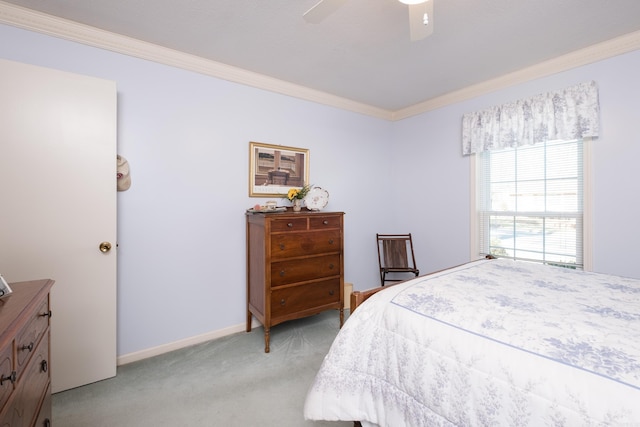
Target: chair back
[{"x": 395, "y": 254}]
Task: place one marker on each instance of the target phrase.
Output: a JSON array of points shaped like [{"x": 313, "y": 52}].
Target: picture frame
[
  {"x": 274, "y": 169},
  {"x": 5, "y": 290}
]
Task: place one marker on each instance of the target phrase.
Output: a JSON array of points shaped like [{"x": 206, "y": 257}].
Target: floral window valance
[{"x": 572, "y": 113}]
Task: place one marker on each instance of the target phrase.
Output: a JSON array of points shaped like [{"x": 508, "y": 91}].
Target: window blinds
[{"x": 530, "y": 202}]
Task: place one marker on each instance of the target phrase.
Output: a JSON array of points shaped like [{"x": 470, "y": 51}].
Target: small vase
[{"x": 297, "y": 205}]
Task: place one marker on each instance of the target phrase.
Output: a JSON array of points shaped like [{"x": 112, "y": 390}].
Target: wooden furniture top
[
  {"x": 290, "y": 212},
  {"x": 25, "y": 296}
]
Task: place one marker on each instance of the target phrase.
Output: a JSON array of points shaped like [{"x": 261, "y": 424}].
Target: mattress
[{"x": 489, "y": 343}]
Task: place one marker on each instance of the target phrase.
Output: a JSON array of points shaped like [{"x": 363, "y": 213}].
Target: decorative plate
[{"x": 316, "y": 199}]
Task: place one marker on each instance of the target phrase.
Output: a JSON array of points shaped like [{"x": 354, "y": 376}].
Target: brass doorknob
[{"x": 105, "y": 247}]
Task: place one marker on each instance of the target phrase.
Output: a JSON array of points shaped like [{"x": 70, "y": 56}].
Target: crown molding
[
  {"x": 608, "y": 49},
  {"x": 57, "y": 27},
  {"x": 69, "y": 30}
]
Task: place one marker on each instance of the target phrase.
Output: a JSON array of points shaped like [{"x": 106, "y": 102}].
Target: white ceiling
[{"x": 362, "y": 52}]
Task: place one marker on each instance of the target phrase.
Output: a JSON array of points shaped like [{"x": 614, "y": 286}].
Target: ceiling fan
[{"x": 420, "y": 15}]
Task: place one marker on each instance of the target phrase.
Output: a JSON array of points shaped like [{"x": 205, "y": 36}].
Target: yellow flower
[
  {"x": 298, "y": 193},
  {"x": 292, "y": 193}
]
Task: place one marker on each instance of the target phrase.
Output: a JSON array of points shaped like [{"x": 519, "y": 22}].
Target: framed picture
[
  {"x": 5, "y": 290},
  {"x": 274, "y": 169}
]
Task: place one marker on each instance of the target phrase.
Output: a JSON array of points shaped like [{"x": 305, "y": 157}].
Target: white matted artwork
[{"x": 274, "y": 169}]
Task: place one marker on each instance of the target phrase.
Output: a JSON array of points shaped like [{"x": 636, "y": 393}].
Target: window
[{"x": 530, "y": 203}]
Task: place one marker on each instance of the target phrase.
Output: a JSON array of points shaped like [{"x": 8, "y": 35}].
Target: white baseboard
[{"x": 187, "y": 342}]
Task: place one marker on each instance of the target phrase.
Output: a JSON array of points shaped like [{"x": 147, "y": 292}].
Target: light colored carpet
[{"x": 226, "y": 382}]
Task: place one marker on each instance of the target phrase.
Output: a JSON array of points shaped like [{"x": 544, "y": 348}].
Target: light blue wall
[
  {"x": 181, "y": 231},
  {"x": 435, "y": 175},
  {"x": 181, "y": 225}
]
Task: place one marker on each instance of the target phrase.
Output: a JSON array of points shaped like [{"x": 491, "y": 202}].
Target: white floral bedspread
[{"x": 489, "y": 343}]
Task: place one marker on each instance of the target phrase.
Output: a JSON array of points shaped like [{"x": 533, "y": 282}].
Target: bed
[{"x": 489, "y": 343}]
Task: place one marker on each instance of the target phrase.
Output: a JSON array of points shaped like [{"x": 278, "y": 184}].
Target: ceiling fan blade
[
  {"x": 417, "y": 12},
  {"x": 321, "y": 10}
]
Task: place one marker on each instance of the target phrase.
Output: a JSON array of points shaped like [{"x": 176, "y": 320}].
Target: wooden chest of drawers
[
  {"x": 25, "y": 390},
  {"x": 295, "y": 263}
]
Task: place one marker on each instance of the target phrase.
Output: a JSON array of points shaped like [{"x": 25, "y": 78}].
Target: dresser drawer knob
[
  {"x": 282, "y": 246},
  {"x": 282, "y": 273},
  {"x": 47, "y": 422},
  {"x": 11, "y": 377},
  {"x": 27, "y": 347},
  {"x": 282, "y": 302},
  {"x": 290, "y": 225},
  {"x": 331, "y": 292},
  {"x": 331, "y": 241},
  {"x": 46, "y": 314},
  {"x": 325, "y": 222},
  {"x": 44, "y": 366},
  {"x": 330, "y": 266}
]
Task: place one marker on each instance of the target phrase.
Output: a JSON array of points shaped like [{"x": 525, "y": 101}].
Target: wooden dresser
[
  {"x": 295, "y": 266},
  {"x": 25, "y": 390}
]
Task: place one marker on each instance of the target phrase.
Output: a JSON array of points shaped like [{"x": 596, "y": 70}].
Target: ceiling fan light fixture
[{"x": 412, "y": 1}]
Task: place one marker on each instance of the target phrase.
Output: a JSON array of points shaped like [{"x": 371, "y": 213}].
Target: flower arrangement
[{"x": 298, "y": 193}]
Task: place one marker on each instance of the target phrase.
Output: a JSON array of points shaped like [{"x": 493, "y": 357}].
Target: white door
[{"x": 57, "y": 204}]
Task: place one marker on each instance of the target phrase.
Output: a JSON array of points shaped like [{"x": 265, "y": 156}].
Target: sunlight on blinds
[{"x": 530, "y": 202}]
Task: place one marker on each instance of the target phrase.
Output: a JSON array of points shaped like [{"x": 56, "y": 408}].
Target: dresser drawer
[
  {"x": 24, "y": 319},
  {"x": 289, "y": 224},
  {"x": 28, "y": 338},
  {"x": 44, "y": 416},
  {"x": 324, "y": 221},
  {"x": 285, "y": 272},
  {"x": 309, "y": 243},
  {"x": 6, "y": 373},
  {"x": 32, "y": 387},
  {"x": 295, "y": 299}
]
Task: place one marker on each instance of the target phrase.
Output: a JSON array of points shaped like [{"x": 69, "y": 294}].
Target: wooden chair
[{"x": 395, "y": 255}]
